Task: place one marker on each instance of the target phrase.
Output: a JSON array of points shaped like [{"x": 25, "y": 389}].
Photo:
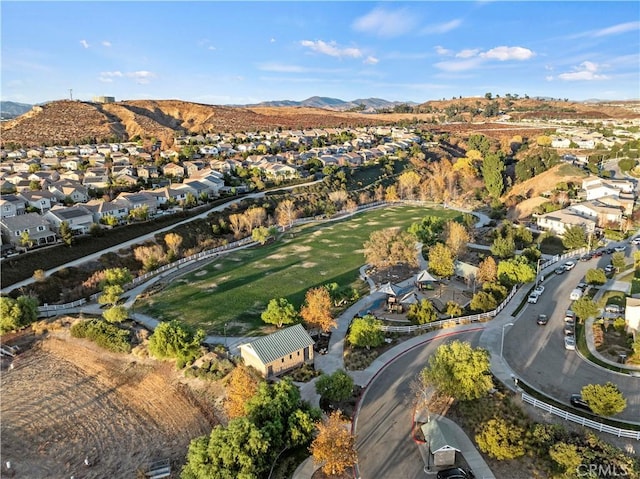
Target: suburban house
[
  {"x": 103, "y": 209},
  {"x": 279, "y": 352},
  {"x": 11, "y": 205},
  {"x": 69, "y": 189},
  {"x": 598, "y": 187},
  {"x": 171, "y": 169},
  {"x": 37, "y": 229},
  {"x": 41, "y": 200},
  {"x": 603, "y": 214},
  {"x": 139, "y": 200},
  {"x": 558, "y": 221},
  {"x": 77, "y": 217}
]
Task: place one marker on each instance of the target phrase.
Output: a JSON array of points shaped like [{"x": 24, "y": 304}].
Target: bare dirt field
[{"x": 65, "y": 399}]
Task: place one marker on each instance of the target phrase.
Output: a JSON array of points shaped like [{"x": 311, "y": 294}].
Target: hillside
[{"x": 12, "y": 109}]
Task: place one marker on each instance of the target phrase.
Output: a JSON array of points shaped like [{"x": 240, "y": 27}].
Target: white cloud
[
  {"x": 386, "y": 23},
  {"x": 508, "y": 53},
  {"x": 273, "y": 40},
  {"x": 586, "y": 71},
  {"x": 442, "y": 51},
  {"x": 107, "y": 77},
  {"x": 84, "y": 43},
  {"x": 442, "y": 27},
  {"x": 142, "y": 77},
  {"x": 332, "y": 49},
  {"x": 282, "y": 68},
  {"x": 211, "y": 47},
  {"x": 106, "y": 43},
  {"x": 371, "y": 60},
  {"x": 459, "y": 65},
  {"x": 468, "y": 53},
  {"x": 616, "y": 29}
]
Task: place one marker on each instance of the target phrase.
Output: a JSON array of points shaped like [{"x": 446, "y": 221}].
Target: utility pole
[{"x": 71, "y": 94}]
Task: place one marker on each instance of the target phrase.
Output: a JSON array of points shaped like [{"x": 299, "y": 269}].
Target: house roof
[
  {"x": 22, "y": 222},
  {"x": 424, "y": 276},
  {"x": 70, "y": 213},
  {"x": 388, "y": 288},
  {"x": 279, "y": 344},
  {"x": 438, "y": 438}
]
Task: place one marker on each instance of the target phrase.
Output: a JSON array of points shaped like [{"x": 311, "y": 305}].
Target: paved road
[
  {"x": 383, "y": 427},
  {"x": 142, "y": 239},
  {"x": 537, "y": 354}
]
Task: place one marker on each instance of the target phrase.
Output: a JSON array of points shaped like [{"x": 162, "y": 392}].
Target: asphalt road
[
  {"x": 383, "y": 428},
  {"x": 537, "y": 354}
]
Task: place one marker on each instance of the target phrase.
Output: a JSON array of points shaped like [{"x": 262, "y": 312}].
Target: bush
[
  {"x": 176, "y": 340},
  {"x": 213, "y": 370},
  {"x": 501, "y": 440},
  {"x": 105, "y": 335}
]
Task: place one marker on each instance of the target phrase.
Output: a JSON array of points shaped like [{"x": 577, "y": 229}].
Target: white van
[{"x": 575, "y": 294}]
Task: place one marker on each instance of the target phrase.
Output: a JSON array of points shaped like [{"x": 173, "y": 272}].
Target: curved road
[
  {"x": 383, "y": 425},
  {"x": 537, "y": 354}
]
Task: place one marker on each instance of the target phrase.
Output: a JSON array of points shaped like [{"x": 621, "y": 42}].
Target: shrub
[
  {"x": 500, "y": 439},
  {"x": 105, "y": 335}
]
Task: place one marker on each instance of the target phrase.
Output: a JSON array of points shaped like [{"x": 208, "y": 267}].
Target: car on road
[
  {"x": 582, "y": 286},
  {"x": 619, "y": 249},
  {"x": 597, "y": 253},
  {"x": 609, "y": 269},
  {"x": 560, "y": 270},
  {"x": 575, "y": 294},
  {"x": 539, "y": 289},
  {"x": 569, "y": 316},
  {"x": 586, "y": 257},
  {"x": 455, "y": 473},
  {"x": 533, "y": 298},
  {"x": 543, "y": 319},
  {"x": 577, "y": 401},
  {"x": 570, "y": 343},
  {"x": 569, "y": 265},
  {"x": 636, "y": 240},
  {"x": 569, "y": 329}
]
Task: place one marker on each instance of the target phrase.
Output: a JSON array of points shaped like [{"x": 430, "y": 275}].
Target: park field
[{"x": 235, "y": 289}]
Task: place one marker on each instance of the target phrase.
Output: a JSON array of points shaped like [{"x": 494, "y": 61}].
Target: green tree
[
  {"x": 115, "y": 314},
  {"x": 604, "y": 400},
  {"x": 617, "y": 260},
  {"x": 428, "y": 230},
  {"x": 454, "y": 309},
  {"x": 501, "y": 440},
  {"x": 390, "y": 246},
  {"x": 175, "y": 340},
  {"x": 422, "y": 312},
  {"x": 25, "y": 239},
  {"x": 16, "y": 313},
  {"x": 66, "y": 233},
  {"x": 458, "y": 370},
  {"x": 566, "y": 456},
  {"x": 596, "y": 276},
  {"x": 280, "y": 312},
  {"x": 119, "y": 276},
  {"x": 335, "y": 387},
  {"x": 483, "y": 302},
  {"x": 515, "y": 271},
  {"x": 492, "y": 170},
  {"x": 441, "y": 261},
  {"x": 585, "y": 308},
  {"x": 365, "y": 332},
  {"x": 503, "y": 247},
  {"x": 574, "y": 237},
  {"x": 110, "y": 294},
  {"x": 261, "y": 234}
]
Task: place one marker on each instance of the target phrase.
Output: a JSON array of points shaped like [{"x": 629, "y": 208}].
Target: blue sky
[{"x": 247, "y": 52}]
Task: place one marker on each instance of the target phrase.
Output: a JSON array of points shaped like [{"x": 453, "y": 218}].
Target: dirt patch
[
  {"x": 201, "y": 273},
  {"x": 65, "y": 400}
]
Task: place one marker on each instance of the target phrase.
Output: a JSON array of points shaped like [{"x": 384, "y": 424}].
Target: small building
[
  {"x": 279, "y": 352},
  {"x": 442, "y": 446},
  {"x": 632, "y": 316}
]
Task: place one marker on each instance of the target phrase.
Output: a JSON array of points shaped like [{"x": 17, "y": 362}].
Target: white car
[
  {"x": 570, "y": 343},
  {"x": 533, "y": 298},
  {"x": 569, "y": 265},
  {"x": 619, "y": 249},
  {"x": 636, "y": 241},
  {"x": 539, "y": 289}
]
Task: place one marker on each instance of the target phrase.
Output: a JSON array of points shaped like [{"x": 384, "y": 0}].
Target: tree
[
  {"x": 574, "y": 237},
  {"x": 365, "y": 332},
  {"x": 456, "y": 238},
  {"x": 441, "y": 261},
  {"x": 487, "y": 270},
  {"x": 515, "y": 271},
  {"x": 407, "y": 184},
  {"x": 596, "y": 276},
  {"x": 116, "y": 276},
  {"x": 453, "y": 309},
  {"x": 25, "y": 239},
  {"x": 242, "y": 385},
  {"x": 334, "y": 445},
  {"x": 280, "y": 312},
  {"x": 492, "y": 169},
  {"x": 503, "y": 247},
  {"x": 115, "y": 314},
  {"x": 585, "y": 308},
  {"x": 427, "y": 230},
  {"x": 110, "y": 294},
  {"x": 66, "y": 233},
  {"x": 604, "y": 400},
  {"x": 422, "y": 312},
  {"x": 316, "y": 311},
  {"x": 149, "y": 256},
  {"x": 501, "y": 440},
  {"x": 175, "y": 340},
  {"x": 261, "y": 234},
  {"x": 16, "y": 313},
  {"x": 617, "y": 260},
  {"x": 286, "y": 213},
  {"x": 39, "y": 275},
  {"x": 335, "y": 387},
  {"x": 390, "y": 246},
  {"x": 173, "y": 242},
  {"x": 566, "y": 456},
  {"x": 458, "y": 370}
]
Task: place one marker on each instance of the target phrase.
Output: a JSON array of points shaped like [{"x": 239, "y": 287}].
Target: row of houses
[{"x": 608, "y": 203}]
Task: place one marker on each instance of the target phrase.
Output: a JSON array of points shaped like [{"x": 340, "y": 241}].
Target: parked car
[
  {"x": 586, "y": 257},
  {"x": 636, "y": 240},
  {"x": 539, "y": 289},
  {"x": 569, "y": 316},
  {"x": 575, "y": 294},
  {"x": 609, "y": 269},
  {"x": 560, "y": 270},
  {"x": 533, "y": 298},
  {"x": 613, "y": 308},
  {"x": 570, "y": 343},
  {"x": 598, "y": 253},
  {"x": 582, "y": 286},
  {"x": 577, "y": 401},
  {"x": 569, "y": 329},
  {"x": 543, "y": 319},
  {"x": 608, "y": 250},
  {"x": 569, "y": 265},
  {"x": 455, "y": 473},
  {"x": 619, "y": 249}
]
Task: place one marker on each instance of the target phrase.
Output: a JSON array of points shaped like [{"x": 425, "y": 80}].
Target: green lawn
[{"x": 236, "y": 289}]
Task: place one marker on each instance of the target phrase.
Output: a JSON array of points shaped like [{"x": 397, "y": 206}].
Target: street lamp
[
  {"x": 502, "y": 342},
  {"x": 225, "y": 334}
]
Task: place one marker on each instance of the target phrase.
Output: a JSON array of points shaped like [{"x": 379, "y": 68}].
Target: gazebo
[
  {"x": 392, "y": 291},
  {"x": 425, "y": 280}
]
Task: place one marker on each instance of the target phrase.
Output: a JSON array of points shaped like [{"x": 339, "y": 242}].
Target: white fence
[{"x": 616, "y": 431}]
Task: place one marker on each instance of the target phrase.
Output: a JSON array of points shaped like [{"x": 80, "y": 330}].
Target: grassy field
[{"x": 235, "y": 289}]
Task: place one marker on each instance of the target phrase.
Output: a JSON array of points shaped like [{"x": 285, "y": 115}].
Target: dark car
[
  {"x": 560, "y": 270},
  {"x": 586, "y": 257},
  {"x": 455, "y": 473},
  {"x": 598, "y": 253},
  {"x": 608, "y": 250},
  {"x": 542, "y": 319},
  {"x": 577, "y": 401}
]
